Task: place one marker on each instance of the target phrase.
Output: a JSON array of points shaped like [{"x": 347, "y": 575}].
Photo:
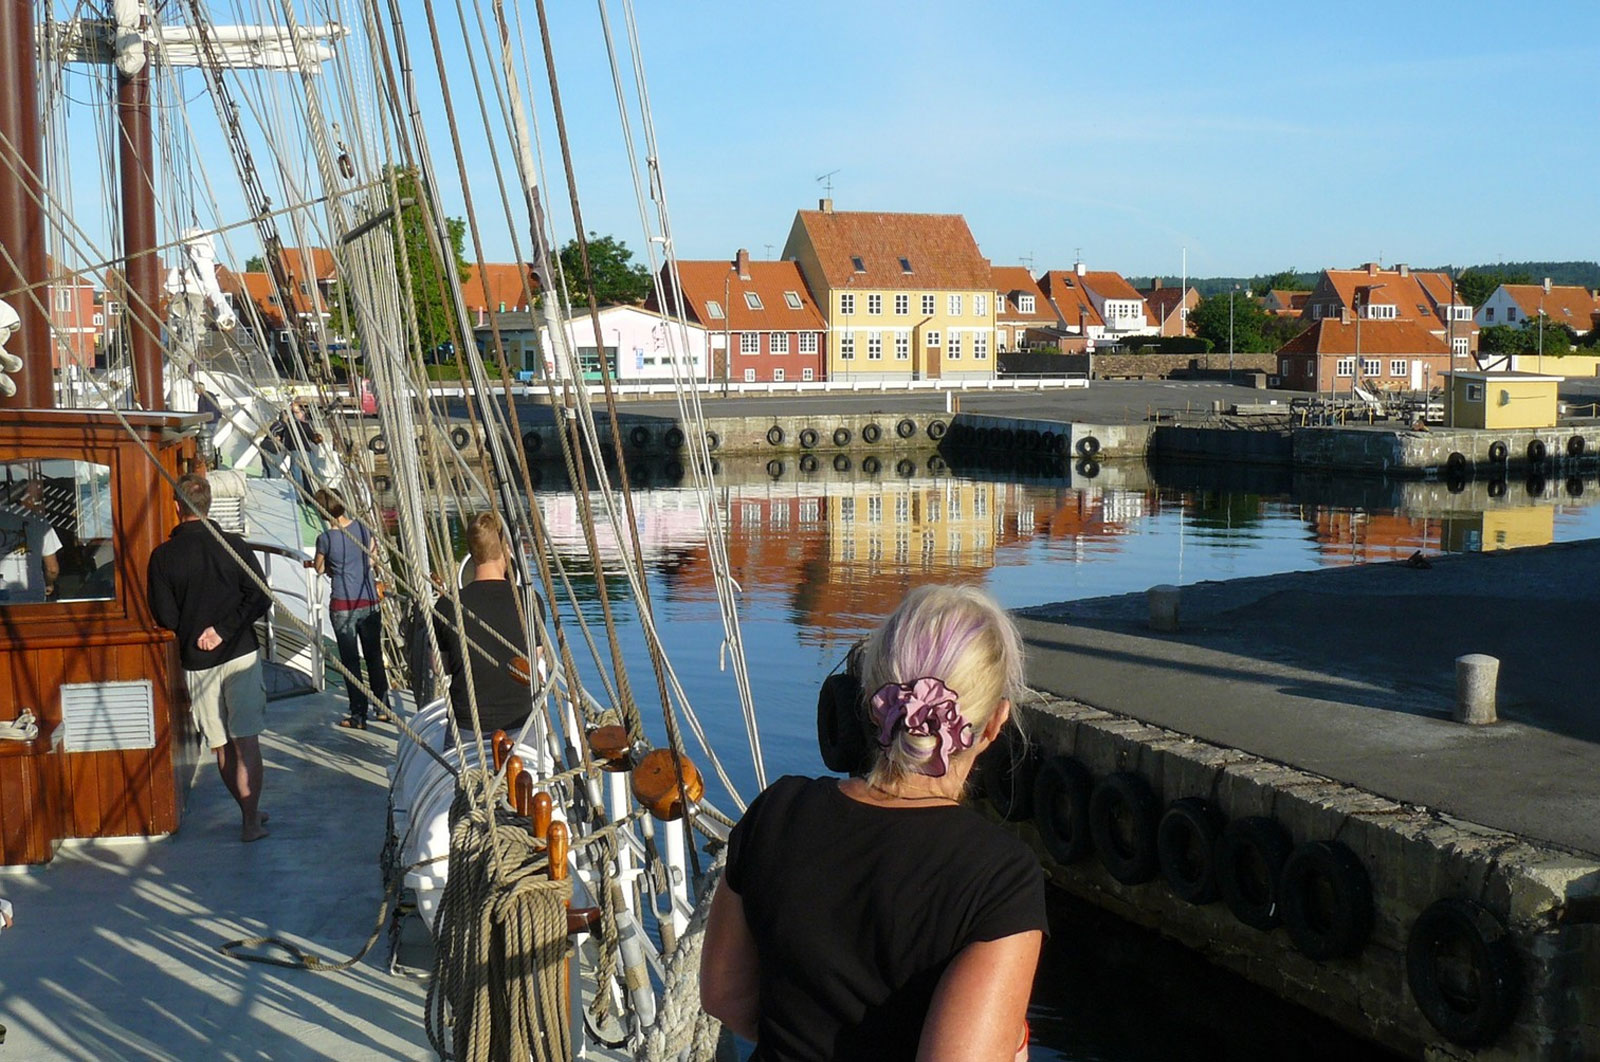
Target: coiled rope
[{"x": 501, "y": 940}]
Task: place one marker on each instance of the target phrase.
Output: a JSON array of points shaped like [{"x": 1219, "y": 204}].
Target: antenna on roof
[
  {"x": 768, "y": 246},
  {"x": 826, "y": 180},
  {"x": 1027, "y": 261}
]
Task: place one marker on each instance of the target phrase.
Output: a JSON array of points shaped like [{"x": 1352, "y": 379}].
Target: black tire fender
[
  {"x": 713, "y": 440},
  {"x": 871, "y": 465},
  {"x": 639, "y": 436},
  {"x": 937, "y": 465},
  {"x": 1250, "y": 857},
  {"x": 1062, "y": 443},
  {"x": 775, "y": 435},
  {"x": 905, "y": 468},
  {"x": 1061, "y": 792},
  {"x": 808, "y": 438},
  {"x": 937, "y": 429},
  {"x": 1327, "y": 900},
  {"x": 871, "y": 433},
  {"x": 1497, "y": 488},
  {"x": 1186, "y": 842},
  {"x": 1537, "y": 451},
  {"x": 1443, "y": 933},
  {"x": 1574, "y": 486},
  {"x": 906, "y": 428},
  {"x": 1456, "y": 464},
  {"x": 1008, "y": 439},
  {"x": 1088, "y": 446},
  {"x": 1009, "y": 770},
  {"x": 1047, "y": 442},
  {"x": 808, "y": 463},
  {"x": 1535, "y": 485},
  {"x": 1123, "y": 815},
  {"x": 841, "y": 725},
  {"x": 841, "y": 436},
  {"x": 1575, "y": 446},
  {"x": 774, "y": 468},
  {"x": 378, "y": 444},
  {"x": 673, "y": 438},
  {"x": 841, "y": 462},
  {"x": 532, "y": 441},
  {"x": 1087, "y": 467},
  {"x": 1498, "y": 452},
  {"x": 672, "y": 472},
  {"x": 460, "y": 436}
]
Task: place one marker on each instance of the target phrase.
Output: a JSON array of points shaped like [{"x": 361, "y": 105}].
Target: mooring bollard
[
  {"x": 1476, "y": 677},
  {"x": 1163, "y": 601}
]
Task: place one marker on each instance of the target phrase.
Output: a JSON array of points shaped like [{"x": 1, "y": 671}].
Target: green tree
[
  {"x": 1474, "y": 286},
  {"x": 1507, "y": 339},
  {"x": 1283, "y": 279},
  {"x": 616, "y": 280},
  {"x": 435, "y": 305},
  {"x": 255, "y": 264},
  {"x": 1251, "y": 330}
]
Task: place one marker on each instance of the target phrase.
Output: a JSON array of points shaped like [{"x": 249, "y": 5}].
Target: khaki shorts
[{"x": 230, "y": 700}]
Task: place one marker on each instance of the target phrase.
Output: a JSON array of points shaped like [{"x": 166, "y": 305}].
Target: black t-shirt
[
  {"x": 503, "y": 702},
  {"x": 196, "y": 582},
  {"x": 857, "y": 909}
]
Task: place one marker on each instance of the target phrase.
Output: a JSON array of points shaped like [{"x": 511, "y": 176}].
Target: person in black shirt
[
  {"x": 500, "y": 673},
  {"x": 875, "y": 917},
  {"x": 203, "y": 589}
]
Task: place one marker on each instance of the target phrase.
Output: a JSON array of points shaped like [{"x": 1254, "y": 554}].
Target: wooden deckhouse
[{"x": 115, "y": 749}]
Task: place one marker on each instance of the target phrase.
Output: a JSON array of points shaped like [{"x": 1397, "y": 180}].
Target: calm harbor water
[{"x": 821, "y": 557}]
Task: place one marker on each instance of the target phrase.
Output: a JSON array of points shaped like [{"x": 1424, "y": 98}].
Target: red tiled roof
[
  {"x": 257, "y": 288},
  {"x": 1569, "y": 305},
  {"x": 938, "y": 247},
  {"x": 315, "y": 262},
  {"x": 498, "y": 283},
  {"x": 1109, "y": 285},
  {"x": 1414, "y": 295},
  {"x": 1378, "y": 339},
  {"x": 1012, "y": 281},
  {"x": 770, "y": 282},
  {"x": 1071, "y": 301},
  {"x": 1164, "y": 302}
]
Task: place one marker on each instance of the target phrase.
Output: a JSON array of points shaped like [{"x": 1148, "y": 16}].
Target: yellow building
[
  {"x": 1510, "y": 528},
  {"x": 1502, "y": 400},
  {"x": 906, "y": 296}
]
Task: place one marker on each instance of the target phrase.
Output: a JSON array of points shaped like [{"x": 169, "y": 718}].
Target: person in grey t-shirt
[{"x": 344, "y": 554}]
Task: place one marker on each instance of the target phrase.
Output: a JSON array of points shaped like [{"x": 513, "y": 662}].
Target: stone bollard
[
  {"x": 1163, "y": 601},
  {"x": 1476, "y": 677}
]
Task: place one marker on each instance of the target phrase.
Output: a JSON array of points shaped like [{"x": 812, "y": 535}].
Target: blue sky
[{"x": 1259, "y": 136}]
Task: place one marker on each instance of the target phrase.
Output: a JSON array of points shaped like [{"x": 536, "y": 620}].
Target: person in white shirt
[{"x": 29, "y": 565}]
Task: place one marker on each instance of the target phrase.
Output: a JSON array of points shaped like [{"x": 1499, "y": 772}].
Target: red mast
[{"x": 23, "y": 269}]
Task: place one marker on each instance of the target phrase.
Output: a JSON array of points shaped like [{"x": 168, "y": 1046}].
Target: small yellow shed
[{"x": 1508, "y": 400}]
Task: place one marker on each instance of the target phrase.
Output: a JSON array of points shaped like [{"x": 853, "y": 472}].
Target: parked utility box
[{"x": 1502, "y": 400}]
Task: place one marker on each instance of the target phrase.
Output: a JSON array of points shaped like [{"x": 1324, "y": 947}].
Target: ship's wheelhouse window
[{"x": 55, "y": 532}]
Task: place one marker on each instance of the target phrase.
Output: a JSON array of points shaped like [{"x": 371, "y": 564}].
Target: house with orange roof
[
  {"x": 1097, "y": 304},
  {"x": 760, "y": 318},
  {"x": 1285, "y": 302},
  {"x": 1398, "y": 294},
  {"x": 80, "y": 316},
  {"x": 1170, "y": 307},
  {"x": 1519, "y": 305},
  {"x": 498, "y": 287},
  {"x": 1020, "y": 307},
  {"x": 1340, "y": 354},
  {"x": 253, "y": 301},
  {"x": 905, "y": 296}
]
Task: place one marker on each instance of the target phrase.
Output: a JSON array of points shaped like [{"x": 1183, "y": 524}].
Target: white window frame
[
  {"x": 1024, "y": 303},
  {"x": 902, "y": 346},
  {"x": 847, "y": 302},
  {"x": 1371, "y": 368},
  {"x": 930, "y": 339},
  {"x": 808, "y": 374},
  {"x": 1461, "y": 346},
  {"x": 847, "y": 346},
  {"x": 1344, "y": 367},
  {"x": 874, "y": 305},
  {"x": 1381, "y": 311},
  {"x": 792, "y": 299},
  {"x": 714, "y": 310},
  {"x": 1461, "y": 313},
  {"x": 874, "y": 346},
  {"x": 749, "y": 376},
  {"x": 928, "y": 304},
  {"x": 980, "y": 346},
  {"x": 953, "y": 349},
  {"x": 778, "y": 343},
  {"x": 999, "y": 304},
  {"x": 1399, "y": 367},
  {"x": 953, "y": 305},
  {"x": 777, "y": 375},
  {"x": 752, "y": 301},
  {"x": 980, "y": 305},
  {"x": 902, "y": 305},
  {"x": 808, "y": 342},
  {"x": 749, "y": 342}
]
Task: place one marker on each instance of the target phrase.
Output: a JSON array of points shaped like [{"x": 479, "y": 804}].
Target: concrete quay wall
[
  {"x": 1413, "y": 857},
  {"x": 1404, "y": 452}
]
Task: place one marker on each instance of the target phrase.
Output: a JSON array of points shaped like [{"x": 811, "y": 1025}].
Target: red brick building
[
  {"x": 1339, "y": 354},
  {"x": 760, "y": 318}
]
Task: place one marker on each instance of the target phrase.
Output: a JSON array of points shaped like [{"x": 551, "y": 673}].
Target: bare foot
[{"x": 249, "y": 835}]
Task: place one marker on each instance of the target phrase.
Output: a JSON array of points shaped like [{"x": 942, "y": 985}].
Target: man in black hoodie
[{"x": 204, "y": 589}]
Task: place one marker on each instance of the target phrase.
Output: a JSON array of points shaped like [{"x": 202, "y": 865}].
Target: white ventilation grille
[
  {"x": 108, "y": 715},
  {"x": 228, "y": 514}
]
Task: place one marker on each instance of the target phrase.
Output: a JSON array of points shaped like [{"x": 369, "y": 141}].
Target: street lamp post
[
  {"x": 1542, "y": 293},
  {"x": 1230, "y": 332}
]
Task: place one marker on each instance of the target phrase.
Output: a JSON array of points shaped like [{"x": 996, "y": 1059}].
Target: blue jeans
[{"x": 359, "y": 632}]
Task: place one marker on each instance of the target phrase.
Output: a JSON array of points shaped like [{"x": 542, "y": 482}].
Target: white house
[
  {"x": 1519, "y": 305},
  {"x": 640, "y": 345}
]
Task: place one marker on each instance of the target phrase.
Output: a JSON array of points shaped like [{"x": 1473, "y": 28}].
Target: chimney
[
  {"x": 825, "y": 205},
  {"x": 1403, "y": 269},
  {"x": 1372, "y": 269},
  {"x": 1344, "y": 315},
  {"x": 1155, "y": 283},
  {"x": 742, "y": 261},
  {"x": 1077, "y": 267}
]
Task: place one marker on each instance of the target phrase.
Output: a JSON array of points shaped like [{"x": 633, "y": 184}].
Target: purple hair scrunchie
[{"x": 925, "y": 707}]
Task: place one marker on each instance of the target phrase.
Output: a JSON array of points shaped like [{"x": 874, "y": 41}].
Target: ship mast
[
  {"x": 136, "y": 172},
  {"x": 22, "y": 258}
]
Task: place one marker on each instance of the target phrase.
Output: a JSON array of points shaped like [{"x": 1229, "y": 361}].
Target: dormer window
[
  {"x": 714, "y": 309},
  {"x": 752, "y": 300},
  {"x": 905, "y": 265},
  {"x": 860, "y": 266},
  {"x": 1381, "y": 311},
  {"x": 792, "y": 298},
  {"x": 1024, "y": 303}
]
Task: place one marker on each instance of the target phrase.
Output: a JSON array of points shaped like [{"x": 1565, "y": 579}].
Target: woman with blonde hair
[{"x": 876, "y": 917}]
